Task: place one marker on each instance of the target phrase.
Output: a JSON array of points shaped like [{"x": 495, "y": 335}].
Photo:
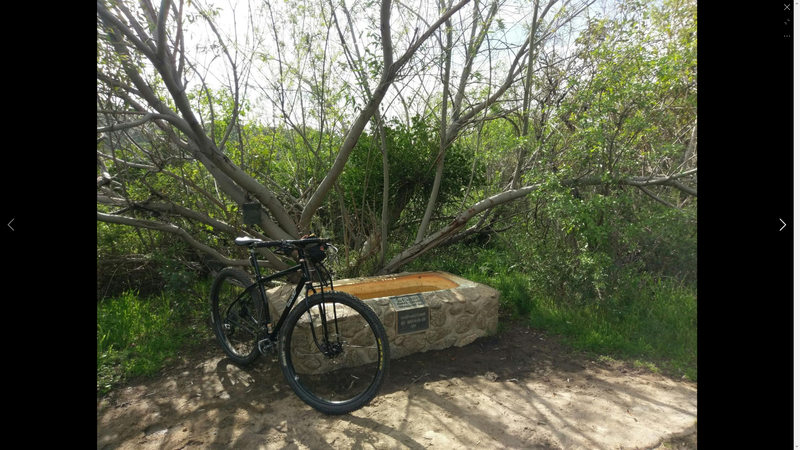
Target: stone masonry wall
[{"x": 458, "y": 316}]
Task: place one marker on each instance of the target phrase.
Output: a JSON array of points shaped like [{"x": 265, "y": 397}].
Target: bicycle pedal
[{"x": 265, "y": 346}]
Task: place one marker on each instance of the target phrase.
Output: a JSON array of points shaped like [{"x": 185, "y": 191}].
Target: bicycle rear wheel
[
  {"x": 334, "y": 352},
  {"x": 238, "y": 316}
]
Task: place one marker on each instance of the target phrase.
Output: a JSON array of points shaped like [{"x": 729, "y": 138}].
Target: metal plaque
[
  {"x": 413, "y": 314},
  {"x": 252, "y": 213}
]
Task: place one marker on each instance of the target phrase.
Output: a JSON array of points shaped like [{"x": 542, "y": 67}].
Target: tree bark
[{"x": 443, "y": 143}]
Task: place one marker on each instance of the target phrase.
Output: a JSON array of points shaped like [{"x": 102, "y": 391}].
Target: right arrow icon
[{"x": 784, "y": 224}]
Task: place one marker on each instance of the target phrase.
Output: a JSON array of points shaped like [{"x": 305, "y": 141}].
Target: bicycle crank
[{"x": 266, "y": 345}]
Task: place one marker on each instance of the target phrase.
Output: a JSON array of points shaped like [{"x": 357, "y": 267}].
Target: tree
[
  {"x": 183, "y": 142},
  {"x": 130, "y": 43},
  {"x": 624, "y": 85}
]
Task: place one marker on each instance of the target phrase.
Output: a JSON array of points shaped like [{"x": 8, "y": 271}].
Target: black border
[{"x": 747, "y": 261}]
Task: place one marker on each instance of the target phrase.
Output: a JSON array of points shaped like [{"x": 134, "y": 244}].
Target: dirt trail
[{"x": 517, "y": 390}]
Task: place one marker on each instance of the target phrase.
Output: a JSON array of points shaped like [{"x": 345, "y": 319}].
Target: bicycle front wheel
[
  {"x": 239, "y": 319},
  {"x": 334, "y": 352}
]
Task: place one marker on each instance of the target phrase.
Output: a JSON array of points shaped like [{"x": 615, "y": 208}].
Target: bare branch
[
  {"x": 127, "y": 163},
  {"x": 656, "y": 198},
  {"x": 102, "y": 217},
  {"x": 112, "y": 82},
  {"x": 235, "y": 113},
  {"x": 193, "y": 130},
  {"x": 112, "y": 21},
  {"x": 464, "y": 216},
  {"x": 472, "y": 51},
  {"x": 386, "y": 37},
  {"x": 639, "y": 181},
  {"x": 452, "y": 228},
  {"x": 366, "y": 113},
  {"x": 112, "y": 201},
  {"x": 396, "y": 66},
  {"x": 135, "y": 123},
  {"x": 161, "y": 30}
]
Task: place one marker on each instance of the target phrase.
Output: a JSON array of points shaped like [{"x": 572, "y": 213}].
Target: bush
[{"x": 592, "y": 303}]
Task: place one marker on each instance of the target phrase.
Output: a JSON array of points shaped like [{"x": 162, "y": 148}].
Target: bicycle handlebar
[{"x": 295, "y": 243}]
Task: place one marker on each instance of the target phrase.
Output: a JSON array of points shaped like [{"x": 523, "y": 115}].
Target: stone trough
[{"x": 420, "y": 312}]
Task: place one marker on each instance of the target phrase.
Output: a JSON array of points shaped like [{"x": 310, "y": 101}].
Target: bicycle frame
[{"x": 305, "y": 281}]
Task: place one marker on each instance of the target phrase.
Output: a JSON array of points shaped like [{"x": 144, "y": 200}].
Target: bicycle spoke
[
  {"x": 236, "y": 323},
  {"x": 334, "y": 352},
  {"x": 238, "y": 314}
]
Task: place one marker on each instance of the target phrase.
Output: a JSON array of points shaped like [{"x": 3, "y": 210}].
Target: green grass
[
  {"x": 647, "y": 365},
  {"x": 649, "y": 322},
  {"x": 657, "y": 322},
  {"x": 139, "y": 336}
]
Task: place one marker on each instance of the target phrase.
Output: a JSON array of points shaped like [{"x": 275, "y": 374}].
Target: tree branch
[
  {"x": 135, "y": 123},
  {"x": 102, "y": 217},
  {"x": 656, "y": 198},
  {"x": 113, "y": 21},
  {"x": 161, "y": 30},
  {"x": 189, "y": 125},
  {"x": 396, "y": 66},
  {"x": 366, "y": 113},
  {"x": 235, "y": 113},
  {"x": 417, "y": 250},
  {"x": 433, "y": 240},
  {"x": 638, "y": 181}
]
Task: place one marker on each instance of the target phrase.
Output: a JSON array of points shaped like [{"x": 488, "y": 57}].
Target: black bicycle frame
[{"x": 305, "y": 281}]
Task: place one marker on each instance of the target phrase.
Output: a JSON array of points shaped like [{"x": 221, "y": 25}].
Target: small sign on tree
[{"x": 252, "y": 213}]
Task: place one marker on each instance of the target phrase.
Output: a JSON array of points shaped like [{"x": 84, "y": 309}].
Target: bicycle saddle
[{"x": 245, "y": 240}]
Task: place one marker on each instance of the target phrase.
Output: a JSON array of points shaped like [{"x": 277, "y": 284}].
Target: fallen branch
[
  {"x": 181, "y": 233},
  {"x": 461, "y": 219},
  {"x": 135, "y": 123}
]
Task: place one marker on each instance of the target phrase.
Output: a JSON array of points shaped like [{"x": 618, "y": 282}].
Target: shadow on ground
[{"x": 517, "y": 390}]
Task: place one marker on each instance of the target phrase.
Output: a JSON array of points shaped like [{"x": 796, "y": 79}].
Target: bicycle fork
[{"x": 325, "y": 345}]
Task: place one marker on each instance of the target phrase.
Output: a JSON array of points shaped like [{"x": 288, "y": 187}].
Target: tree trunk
[{"x": 423, "y": 226}]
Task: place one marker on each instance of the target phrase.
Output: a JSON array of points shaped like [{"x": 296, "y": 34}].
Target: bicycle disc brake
[{"x": 331, "y": 349}]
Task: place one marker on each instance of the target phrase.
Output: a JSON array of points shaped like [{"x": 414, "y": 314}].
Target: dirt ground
[{"x": 516, "y": 390}]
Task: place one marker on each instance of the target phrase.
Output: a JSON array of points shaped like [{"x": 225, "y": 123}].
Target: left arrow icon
[
  {"x": 9, "y": 224},
  {"x": 784, "y": 224}
]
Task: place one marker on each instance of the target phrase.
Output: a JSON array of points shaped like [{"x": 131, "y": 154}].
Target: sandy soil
[{"x": 517, "y": 390}]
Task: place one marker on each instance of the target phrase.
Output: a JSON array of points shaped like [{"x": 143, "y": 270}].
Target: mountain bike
[{"x": 332, "y": 347}]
